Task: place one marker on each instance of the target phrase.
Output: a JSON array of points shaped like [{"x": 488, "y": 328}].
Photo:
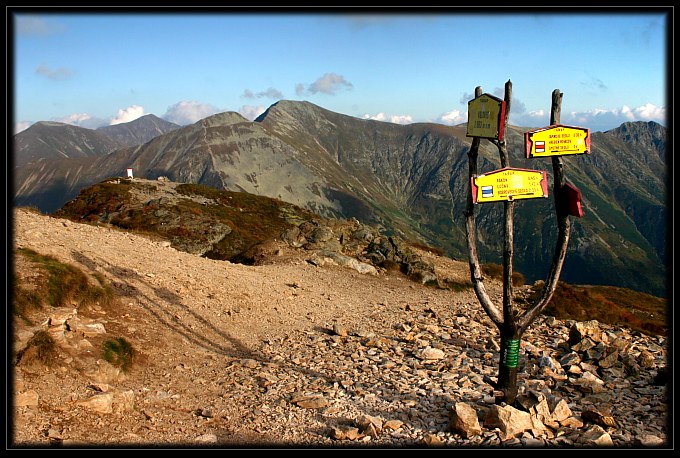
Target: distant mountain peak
[
  {"x": 226, "y": 118},
  {"x": 296, "y": 108},
  {"x": 51, "y": 124},
  {"x": 47, "y": 140},
  {"x": 411, "y": 179},
  {"x": 148, "y": 119},
  {"x": 650, "y": 136},
  {"x": 151, "y": 116},
  {"x": 138, "y": 131}
]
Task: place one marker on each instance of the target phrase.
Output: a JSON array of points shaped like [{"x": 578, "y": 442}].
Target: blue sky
[{"x": 95, "y": 68}]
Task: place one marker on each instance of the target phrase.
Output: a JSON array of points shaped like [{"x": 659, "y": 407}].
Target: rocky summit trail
[{"x": 293, "y": 353}]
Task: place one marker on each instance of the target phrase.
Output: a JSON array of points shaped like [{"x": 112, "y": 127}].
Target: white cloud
[
  {"x": 76, "y": 118},
  {"x": 93, "y": 123},
  {"x": 34, "y": 26},
  {"x": 250, "y": 112},
  {"x": 128, "y": 114},
  {"x": 270, "y": 93},
  {"x": 597, "y": 119},
  {"x": 626, "y": 112},
  {"x": 21, "y": 126},
  {"x": 536, "y": 118},
  {"x": 189, "y": 112},
  {"x": 651, "y": 112},
  {"x": 378, "y": 117},
  {"x": 453, "y": 117},
  {"x": 329, "y": 83},
  {"x": 82, "y": 120},
  {"x": 60, "y": 73},
  {"x": 396, "y": 119},
  {"x": 401, "y": 119}
]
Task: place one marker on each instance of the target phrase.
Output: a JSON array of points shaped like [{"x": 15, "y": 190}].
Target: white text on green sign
[
  {"x": 557, "y": 140},
  {"x": 509, "y": 184},
  {"x": 486, "y": 116}
]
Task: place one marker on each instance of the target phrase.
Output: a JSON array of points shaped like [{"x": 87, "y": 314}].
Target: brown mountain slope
[
  {"x": 46, "y": 141},
  {"x": 411, "y": 179}
]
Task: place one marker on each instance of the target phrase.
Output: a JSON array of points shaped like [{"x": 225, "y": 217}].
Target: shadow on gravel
[
  {"x": 214, "y": 339},
  {"x": 166, "y": 307},
  {"x": 209, "y": 337}
]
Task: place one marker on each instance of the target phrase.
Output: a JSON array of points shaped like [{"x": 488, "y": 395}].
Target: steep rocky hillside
[
  {"x": 55, "y": 140},
  {"x": 244, "y": 228},
  {"x": 412, "y": 180},
  {"x": 241, "y": 227}
]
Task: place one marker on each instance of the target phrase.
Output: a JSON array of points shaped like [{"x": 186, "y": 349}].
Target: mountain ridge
[
  {"x": 412, "y": 179},
  {"x": 49, "y": 140},
  {"x": 139, "y": 131}
]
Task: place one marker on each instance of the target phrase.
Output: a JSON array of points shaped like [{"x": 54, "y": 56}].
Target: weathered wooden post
[{"x": 508, "y": 185}]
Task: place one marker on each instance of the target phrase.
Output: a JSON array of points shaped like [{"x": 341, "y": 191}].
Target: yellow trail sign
[
  {"x": 486, "y": 116},
  {"x": 509, "y": 184},
  {"x": 557, "y": 140}
]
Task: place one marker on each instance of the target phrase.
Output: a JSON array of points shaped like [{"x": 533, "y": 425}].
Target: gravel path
[{"x": 282, "y": 354}]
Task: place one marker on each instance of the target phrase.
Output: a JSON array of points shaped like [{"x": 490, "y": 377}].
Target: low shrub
[
  {"x": 40, "y": 348},
  {"x": 119, "y": 353},
  {"x": 63, "y": 284},
  {"x": 495, "y": 271}
]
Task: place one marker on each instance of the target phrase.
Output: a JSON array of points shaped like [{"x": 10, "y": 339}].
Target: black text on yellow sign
[
  {"x": 557, "y": 140},
  {"x": 509, "y": 184},
  {"x": 486, "y": 116}
]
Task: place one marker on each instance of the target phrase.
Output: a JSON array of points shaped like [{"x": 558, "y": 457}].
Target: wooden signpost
[{"x": 487, "y": 118}]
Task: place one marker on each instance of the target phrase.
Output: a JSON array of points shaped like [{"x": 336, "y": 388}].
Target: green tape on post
[{"x": 510, "y": 353}]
